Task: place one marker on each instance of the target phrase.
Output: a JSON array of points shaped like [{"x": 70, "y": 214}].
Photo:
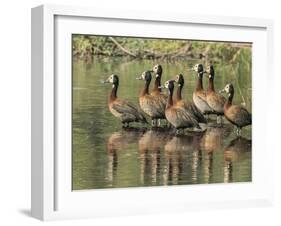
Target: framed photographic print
[{"x": 137, "y": 112}]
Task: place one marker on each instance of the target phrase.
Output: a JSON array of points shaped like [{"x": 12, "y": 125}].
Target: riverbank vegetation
[{"x": 86, "y": 47}]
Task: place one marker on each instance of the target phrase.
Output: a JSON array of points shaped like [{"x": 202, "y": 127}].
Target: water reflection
[
  {"x": 119, "y": 141},
  {"x": 176, "y": 151},
  {"x": 150, "y": 146},
  {"x": 196, "y": 157},
  {"x": 162, "y": 158},
  {"x": 211, "y": 142},
  {"x": 236, "y": 151}
]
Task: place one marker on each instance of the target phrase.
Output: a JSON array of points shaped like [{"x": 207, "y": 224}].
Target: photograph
[{"x": 160, "y": 112}]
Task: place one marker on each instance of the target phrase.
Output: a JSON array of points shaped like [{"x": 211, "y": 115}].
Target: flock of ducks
[{"x": 177, "y": 112}]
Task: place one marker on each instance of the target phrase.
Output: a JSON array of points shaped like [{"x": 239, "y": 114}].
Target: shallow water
[{"x": 107, "y": 156}]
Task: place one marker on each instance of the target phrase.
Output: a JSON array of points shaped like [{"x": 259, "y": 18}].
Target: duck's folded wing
[
  {"x": 125, "y": 107},
  {"x": 199, "y": 116},
  {"x": 241, "y": 115},
  {"x": 151, "y": 106},
  {"x": 188, "y": 117}
]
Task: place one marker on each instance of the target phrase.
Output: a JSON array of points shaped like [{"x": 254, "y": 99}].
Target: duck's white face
[
  {"x": 111, "y": 79},
  {"x": 146, "y": 75},
  {"x": 227, "y": 88},
  {"x": 157, "y": 70},
  {"x": 166, "y": 85},
  {"x": 177, "y": 80},
  {"x": 195, "y": 67},
  {"x": 143, "y": 75}
]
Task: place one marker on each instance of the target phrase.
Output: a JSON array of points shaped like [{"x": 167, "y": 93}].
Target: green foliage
[{"x": 88, "y": 46}]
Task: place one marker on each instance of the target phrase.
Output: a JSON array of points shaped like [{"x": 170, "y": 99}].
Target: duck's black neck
[
  {"x": 211, "y": 87},
  {"x": 199, "y": 85},
  {"x": 113, "y": 94},
  {"x": 228, "y": 103},
  {"x": 179, "y": 89},
  {"x": 157, "y": 83},
  {"x": 145, "y": 90},
  {"x": 170, "y": 98},
  {"x": 230, "y": 97}
]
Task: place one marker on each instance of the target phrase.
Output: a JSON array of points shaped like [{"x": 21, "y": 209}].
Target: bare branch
[{"x": 121, "y": 47}]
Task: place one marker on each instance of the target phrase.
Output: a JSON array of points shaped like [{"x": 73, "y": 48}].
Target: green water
[{"x": 107, "y": 156}]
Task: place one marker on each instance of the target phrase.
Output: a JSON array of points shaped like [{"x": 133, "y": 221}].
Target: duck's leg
[
  {"x": 169, "y": 125},
  {"x": 239, "y": 132},
  {"x": 153, "y": 122},
  {"x": 159, "y": 122},
  {"x": 219, "y": 120}
]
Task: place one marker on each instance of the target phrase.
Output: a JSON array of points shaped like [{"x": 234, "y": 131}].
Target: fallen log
[{"x": 122, "y": 48}]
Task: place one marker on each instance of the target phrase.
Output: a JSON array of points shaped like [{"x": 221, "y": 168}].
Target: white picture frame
[{"x": 52, "y": 197}]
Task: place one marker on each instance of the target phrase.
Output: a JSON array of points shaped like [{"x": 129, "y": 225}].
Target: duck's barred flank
[
  {"x": 190, "y": 107},
  {"x": 178, "y": 116}
]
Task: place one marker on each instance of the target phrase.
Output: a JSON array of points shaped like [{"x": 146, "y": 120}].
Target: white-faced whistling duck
[
  {"x": 151, "y": 105},
  {"x": 156, "y": 90},
  {"x": 122, "y": 109},
  {"x": 237, "y": 115},
  {"x": 199, "y": 95},
  {"x": 214, "y": 100},
  {"x": 189, "y": 106},
  {"x": 177, "y": 115}
]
